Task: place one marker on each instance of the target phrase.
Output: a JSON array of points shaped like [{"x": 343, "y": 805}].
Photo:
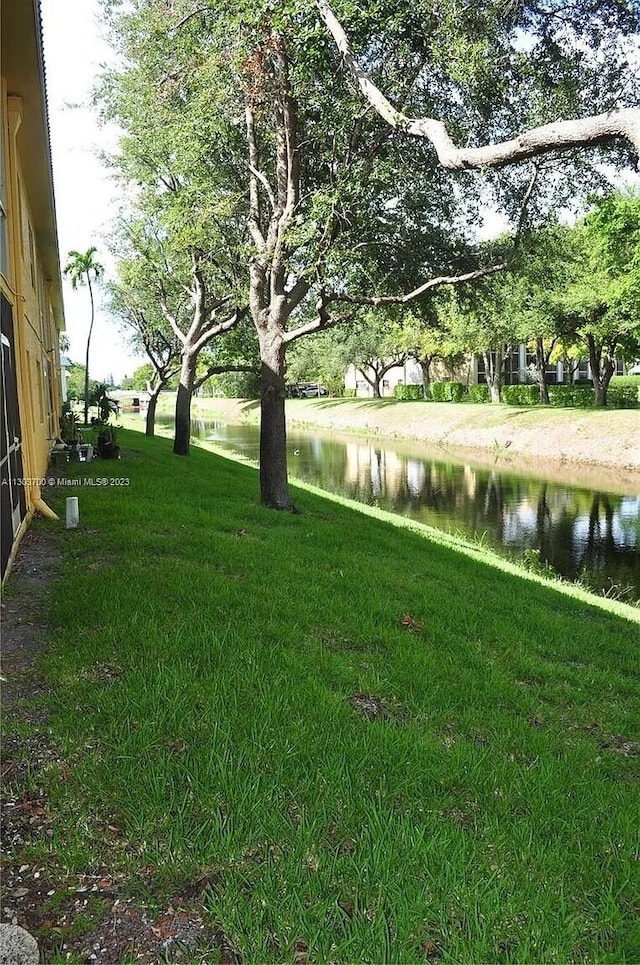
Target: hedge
[
  {"x": 479, "y": 393},
  {"x": 579, "y": 395},
  {"x": 409, "y": 393},
  {"x": 624, "y": 392},
  {"x": 447, "y": 391},
  {"x": 520, "y": 395}
]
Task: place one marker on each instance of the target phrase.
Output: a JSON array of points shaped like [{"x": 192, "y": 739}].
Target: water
[{"x": 584, "y": 534}]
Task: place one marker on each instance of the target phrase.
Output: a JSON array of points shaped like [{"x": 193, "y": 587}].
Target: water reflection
[{"x": 584, "y": 534}]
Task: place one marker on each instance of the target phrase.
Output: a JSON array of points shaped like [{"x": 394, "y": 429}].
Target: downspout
[{"x": 41, "y": 507}]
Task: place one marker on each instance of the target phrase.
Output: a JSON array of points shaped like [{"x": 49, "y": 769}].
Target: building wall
[{"x": 30, "y": 286}]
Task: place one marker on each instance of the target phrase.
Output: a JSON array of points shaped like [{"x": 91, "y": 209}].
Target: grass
[{"x": 240, "y": 700}]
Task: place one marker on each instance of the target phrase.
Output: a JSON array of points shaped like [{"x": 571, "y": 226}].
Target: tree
[
  {"x": 483, "y": 320},
  {"x": 76, "y": 382},
  {"x": 543, "y": 268},
  {"x": 373, "y": 344},
  {"x": 159, "y": 346},
  {"x": 81, "y": 268},
  {"x": 139, "y": 378},
  {"x": 164, "y": 296},
  {"x": 598, "y": 306},
  {"x": 428, "y": 340},
  {"x": 294, "y": 196}
]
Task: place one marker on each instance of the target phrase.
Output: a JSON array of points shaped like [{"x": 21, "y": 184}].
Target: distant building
[
  {"x": 517, "y": 370},
  {"x": 30, "y": 285}
]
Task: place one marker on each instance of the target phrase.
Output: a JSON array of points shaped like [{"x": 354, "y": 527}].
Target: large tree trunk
[
  {"x": 425, "y": 365},
  {"x": 183, "y": 402},
  {"x": 150, "y": 425},
  {"x": 601, "y": 372},
  {"x": 274, "y": 486},
  {"x": 541, "y": 365},
  {"x": 493, "y": 373}
]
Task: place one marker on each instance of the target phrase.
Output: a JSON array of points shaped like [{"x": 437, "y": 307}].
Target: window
[
  {"x": 582, "y": 371},
  {"x": 512, "y": 367}
]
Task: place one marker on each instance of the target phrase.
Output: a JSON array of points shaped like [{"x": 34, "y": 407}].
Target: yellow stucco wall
[{"x": 25, "y": 279}]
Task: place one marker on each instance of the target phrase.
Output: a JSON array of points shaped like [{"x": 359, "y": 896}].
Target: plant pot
[{"x": 109, "y": 451}]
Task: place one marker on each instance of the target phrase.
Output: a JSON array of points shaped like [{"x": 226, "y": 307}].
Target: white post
[{"x": 73, "y": 513}]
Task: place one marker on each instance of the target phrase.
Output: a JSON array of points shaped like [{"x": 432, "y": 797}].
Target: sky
[{"x": 86, "y": 198}]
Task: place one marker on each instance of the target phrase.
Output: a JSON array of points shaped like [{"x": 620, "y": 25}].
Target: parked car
[{"x": 311, "y": 390}]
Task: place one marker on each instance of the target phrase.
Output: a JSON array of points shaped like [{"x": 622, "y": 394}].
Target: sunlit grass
[{"x": 241, "y": 700}]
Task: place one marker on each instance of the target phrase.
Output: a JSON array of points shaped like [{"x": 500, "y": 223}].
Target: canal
[{"x": 586, "y": 534}]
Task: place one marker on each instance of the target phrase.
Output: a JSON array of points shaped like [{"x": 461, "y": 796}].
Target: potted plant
[
  {"x": 69, "y": 423},
  {"x": 108, "y": 447}
]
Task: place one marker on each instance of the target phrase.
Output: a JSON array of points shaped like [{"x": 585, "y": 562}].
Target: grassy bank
[{"x": 369, "y": 746}]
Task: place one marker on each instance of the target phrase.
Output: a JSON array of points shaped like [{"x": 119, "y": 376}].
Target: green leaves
[{"x": 83, "y": 267}]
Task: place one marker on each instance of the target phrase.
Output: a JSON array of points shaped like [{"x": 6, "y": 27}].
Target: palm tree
[{"x": 80, "y": 268}]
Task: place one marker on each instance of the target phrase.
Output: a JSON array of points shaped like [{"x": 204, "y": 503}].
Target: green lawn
[{"x": 241, "y": 699}]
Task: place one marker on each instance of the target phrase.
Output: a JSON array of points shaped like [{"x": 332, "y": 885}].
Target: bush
[
  {"x": 520, "y": 395},
  {"x": 624, "y": 392},
  {"x": 447, "y": 391},
  {"x": 349, "y": 393},
  {"x": 579, "y": 395},
  {"x": 479, "y": 393},
  {"x": 409, "y": 393}
]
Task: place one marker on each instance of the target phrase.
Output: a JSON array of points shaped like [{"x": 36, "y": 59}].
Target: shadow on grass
[{"x": 353, "y": 403}]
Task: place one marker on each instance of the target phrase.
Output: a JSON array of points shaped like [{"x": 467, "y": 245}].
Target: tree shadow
[{"x": 354, "y": 403}]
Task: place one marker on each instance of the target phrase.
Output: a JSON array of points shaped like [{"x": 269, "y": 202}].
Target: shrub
[
  {"x": 624, "y": 392},
  {"x": 479, "y": 393},
  {"x": 447, "y": 391},
  {"x": 409, "y": 393},
  {"x": 579, "y": 395},
  {"x": 348, "y": 393},
  {"x": 520, "y": 395}
]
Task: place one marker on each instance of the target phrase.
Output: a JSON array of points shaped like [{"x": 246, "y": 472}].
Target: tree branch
[
  {"x": 265, "y": 184},
  {"x": 169, "y": 315},
  {"x": 220, "y": 369},
  {"x": 253, "y": 220},
  {"x": 558, "y": 136},
  {"x": 187, "y": 18},
  {"x": 378, "y": 300},
  {"x": 321, "y": 323},
  {"x": 210, "y": 333}
]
